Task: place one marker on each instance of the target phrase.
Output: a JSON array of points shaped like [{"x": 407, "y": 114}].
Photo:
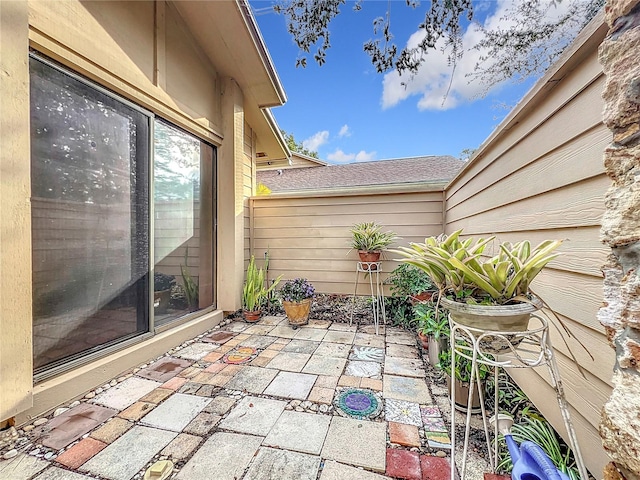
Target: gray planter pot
[
  {"x": 494, "y": 318},
  {"x": 435, "y": 347}
]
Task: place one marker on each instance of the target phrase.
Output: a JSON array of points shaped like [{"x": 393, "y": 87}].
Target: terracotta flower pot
[
  {"x": 297, "y": 312},
  {"x": 421, "y": 297},
  {"x": 369, "y": 257},
  {"x": 424, "y": 340},
  {"x": 251, "y": 316}
]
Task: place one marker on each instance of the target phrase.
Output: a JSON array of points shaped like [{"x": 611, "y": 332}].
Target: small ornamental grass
[{"x": 297, "y": 290}]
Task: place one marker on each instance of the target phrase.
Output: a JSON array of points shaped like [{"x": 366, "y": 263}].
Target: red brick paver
[
  {"x": 493, "y": 476},
  {"x": 80, "y": 452},
  {"x": 435, "y": 468},
  {"x": 175, "y": 383},
  {"x": 403, "y": 464}
]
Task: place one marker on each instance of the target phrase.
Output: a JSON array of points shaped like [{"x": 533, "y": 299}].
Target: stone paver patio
[{"x": 220, "y": 410}]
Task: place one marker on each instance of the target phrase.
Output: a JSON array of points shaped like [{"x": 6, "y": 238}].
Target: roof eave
[{"x": 228, "y": 34}]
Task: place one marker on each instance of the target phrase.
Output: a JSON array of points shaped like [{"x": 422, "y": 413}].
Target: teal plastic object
[{"x": 530, "y": 462}]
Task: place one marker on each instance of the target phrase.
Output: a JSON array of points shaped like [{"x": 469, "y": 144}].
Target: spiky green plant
[
  {"x": 369, "y": 237},
  {"x": 538, "y": 430},
  {"x": 254, "y": 292},
  {"x": 461, "y": 268}
]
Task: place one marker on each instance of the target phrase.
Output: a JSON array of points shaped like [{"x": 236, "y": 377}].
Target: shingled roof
[{"x": 397, "y": 171}]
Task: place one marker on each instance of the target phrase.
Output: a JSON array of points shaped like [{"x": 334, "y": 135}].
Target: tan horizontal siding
[
  {"x": 248, "y": 180},
  {"x": 576, "y": 205},
  {"x": 354, "y": 199},
  {"x": 345, "y": 220},
  {"x": 309, "y": 237},
  {"x": 566, "y": 108},
  {"x": 585, "y": 151},
  {"x": 595, "y": 343},
  {"x": 540, "y": 176}
]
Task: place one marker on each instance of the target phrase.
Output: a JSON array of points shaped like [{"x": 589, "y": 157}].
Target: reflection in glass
[
  {"x": 183, "y": 223},
  {"x": 89, "y": 155}
]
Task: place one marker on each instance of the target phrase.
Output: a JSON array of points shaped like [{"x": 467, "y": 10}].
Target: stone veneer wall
[{"x": 620, "y": 315}]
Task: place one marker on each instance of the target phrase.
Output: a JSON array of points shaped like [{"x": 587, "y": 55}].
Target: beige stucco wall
[
  {"x": 308, "y": 235},
  {"x": 540, "y": 176},
  {"x": 145, "y": 52},
  {"x": 141, "y": 50},
  {"x": 15, "y": 213}
]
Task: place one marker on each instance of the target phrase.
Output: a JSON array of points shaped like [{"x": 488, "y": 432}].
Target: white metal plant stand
[
  {"x": 526, "y": 349},
  {"x": 372, "y": 271}
]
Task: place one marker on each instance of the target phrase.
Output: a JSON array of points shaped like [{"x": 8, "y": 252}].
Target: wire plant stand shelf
[
  {"x": 530, "y": 348},
  {"x": 372, "y": 271}
]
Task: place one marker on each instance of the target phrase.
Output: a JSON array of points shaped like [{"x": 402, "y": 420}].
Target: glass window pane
[
  {"x": 89, "y": 157},
  {"x": 183, "y": 223}
]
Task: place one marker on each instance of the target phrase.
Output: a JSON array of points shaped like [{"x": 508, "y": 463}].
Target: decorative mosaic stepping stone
[
  {"x": 433, "y": 424},
  {"x": 240, "y": 355},
  {"x": 403, "y": 412},
  {"x": 367, "y": 354},
  {"x": 358, "y": 403},
  {"x": 438, "y": 440},
  {"x": 428, "y": 411}
]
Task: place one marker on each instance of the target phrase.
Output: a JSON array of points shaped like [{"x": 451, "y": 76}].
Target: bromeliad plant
[
  {"x": 297, "y": 290},
  {"x": 369, "y": 237},
  {"x": 459, "y": 267},
  {"x": 254, "y": 292}
]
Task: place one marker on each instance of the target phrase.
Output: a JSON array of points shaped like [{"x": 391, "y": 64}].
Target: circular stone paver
[
  {"x": 240, "y": 355},
  {"x": 358, "y": 403}
]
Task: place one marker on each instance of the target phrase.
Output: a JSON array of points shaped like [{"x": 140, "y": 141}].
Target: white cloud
[
  {"x": 314, "y": 141},
  {"x": 340, "y": 157},
  {"x": 344, "y": 131},
  {"x": 434, "y": 76},
  {"x": 363, "y": 156}
]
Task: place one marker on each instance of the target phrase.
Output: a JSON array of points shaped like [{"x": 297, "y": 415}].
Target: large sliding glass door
[
  {"x": 91, "y": 168},
  {"x": 183, "y": 223},
  {"x": 90, "y": 230}
]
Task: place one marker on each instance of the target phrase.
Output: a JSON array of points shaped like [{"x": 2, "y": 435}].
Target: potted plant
[
  {"x": 370, "y": 241},
  {"x": 296, "y": 299},
  {"x": 410, "y": 282},
  {"x": 162, "y": 285},
  {"x": 459, "y": 378},
  {"x": 254, "y": 292},
  {"x": 433, "y": 330},
  {"x": 486, "y": 293}
]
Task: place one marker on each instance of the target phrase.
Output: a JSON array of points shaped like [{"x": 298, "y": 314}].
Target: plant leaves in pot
[
  {"x": 254, "y": 291},
  {"x": 411, "y": 283},
  {"x": 483, "y": 292},
  {"x": 296, "y": 299},
  {"x": 459, "y": 378},
  {"x": 433, "y": 324},
  {"x": 370, "y": 241}
]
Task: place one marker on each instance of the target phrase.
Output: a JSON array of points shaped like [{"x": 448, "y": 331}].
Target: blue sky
[{"x": 348, "y": 112}]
